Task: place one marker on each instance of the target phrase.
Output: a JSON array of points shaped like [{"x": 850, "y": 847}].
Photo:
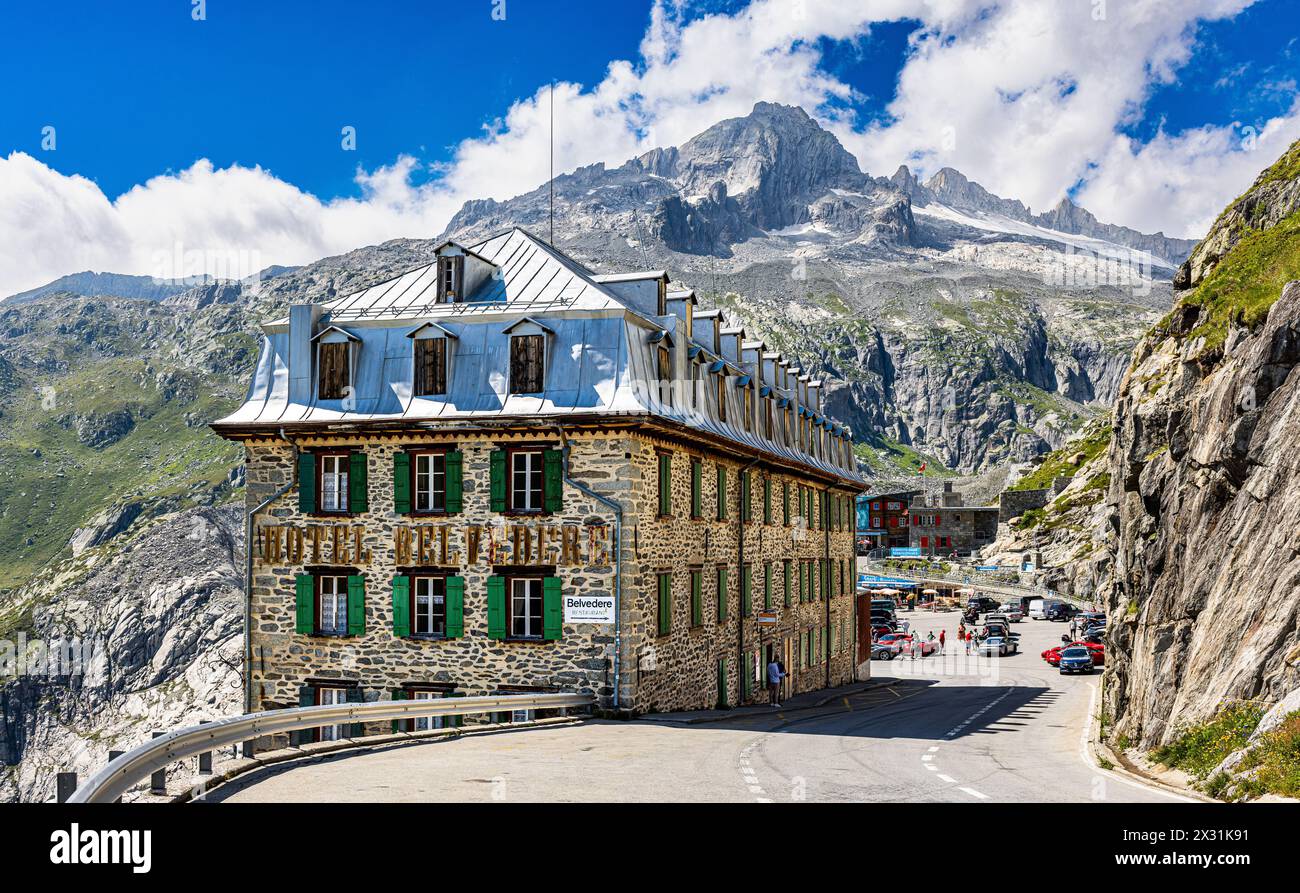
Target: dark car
[
  {"x": 1075, "y": 660},
  {"x": 982, "y": 604},
  {"x": 1060, "y": 611}
]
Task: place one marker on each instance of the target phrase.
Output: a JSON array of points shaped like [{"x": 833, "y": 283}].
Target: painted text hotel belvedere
[{"x": 502, "y": 472}]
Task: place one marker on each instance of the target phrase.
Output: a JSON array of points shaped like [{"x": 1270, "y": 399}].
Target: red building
[{"x": 887, "y": 515}]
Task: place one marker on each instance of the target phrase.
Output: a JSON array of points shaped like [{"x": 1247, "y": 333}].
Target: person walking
[
  {"x": 943, "y": 635},
  {"x": 775, "y": 673}
]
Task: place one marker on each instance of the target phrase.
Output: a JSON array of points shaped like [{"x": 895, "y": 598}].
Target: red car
[
  {"x": 902, "y": 643},
  {"x": 1098, "y": 652}
]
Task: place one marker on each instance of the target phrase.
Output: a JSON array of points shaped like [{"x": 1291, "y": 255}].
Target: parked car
[
  {"x": 1012, "y": 611},
  {"x": 881, "y": 651},
  {"x": 1075, "y": 659},
  {"x": 1038, "y": 609},
  {"x": 1098, "y": 653},
  {"x": 1060, "y": 611},
  {"x": 903, "y": 643},
  {"x": 982, "y": 603},
  {"x": 999, "y": 646}
]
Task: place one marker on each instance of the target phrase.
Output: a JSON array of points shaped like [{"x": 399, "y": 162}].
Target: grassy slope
[{"x": 51, "y": 483}]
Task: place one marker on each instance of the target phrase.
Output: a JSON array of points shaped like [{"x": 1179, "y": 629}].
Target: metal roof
[{"x": 599, "y": 357}]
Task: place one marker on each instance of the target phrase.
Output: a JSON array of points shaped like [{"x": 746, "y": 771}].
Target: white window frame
[
  {"x": 431, "y": 599},
  {"x": 529, "y": 590},
  {"x": 434, "y": 482},
  {"x": 532, "y": 470},
  {"x": 427, "y": 723},
  {"x": 337, "y": 476},
  {"x": 332, "y": 594},
  {"x": 329, "y": 695}
]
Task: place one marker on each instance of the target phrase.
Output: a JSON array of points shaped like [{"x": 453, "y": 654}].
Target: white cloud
[{"x": 1024, "y": 96}]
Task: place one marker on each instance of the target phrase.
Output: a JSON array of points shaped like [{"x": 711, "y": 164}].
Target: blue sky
[{"x": 228, "y": 130}]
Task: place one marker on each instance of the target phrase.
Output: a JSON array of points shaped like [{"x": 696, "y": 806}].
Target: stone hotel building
[{"x": 503, "y": 472}]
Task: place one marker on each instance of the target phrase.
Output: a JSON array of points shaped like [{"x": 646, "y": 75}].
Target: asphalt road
[{"x": 948, "y": 729}]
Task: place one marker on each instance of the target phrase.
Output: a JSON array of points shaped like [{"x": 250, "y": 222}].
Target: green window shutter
[
  {"x": 355, "y": 695},
  {"x": 401, "y": 606},
  {"x": 356, "y": 606},
  {"x": 455, "y": 468},
  {"x": 306, "y": 483},
  {"x": 785, "y": 577},
  {"x": 722, "y": 493},
  {"x": 697, "y": 485},
  {"x": 552, "y": 609},
  {"x": 799, "y": 574},
  {"x": 665, "y": 484},
  {"x": 746, "y": 582},
  {"x": 496, "y": 604},
  {"x": 498, "y": 480},
  {"x": 722, "y": 684},
  {"x": 553, "y": 481},
  {"x": 697, "y": 598},
  {"x": 358, "y": 492},
  {"x": 399, "y": 694},
  {"x": 455, "y": 607},
  {"x": 744, "y": 496},
  {"x": 767, "y": 500},
  {"x": 785, "y": 503},
  {"x": 402, "y": 483},
  {"x": 453, "y": 721},
  {"x": 665, "y": 604},
  {"x": 306, "y": 698},
  {"x": 767, "y": 586},
  {"x": 722, "y": 595},
  {"x": 305, "y": 604}
]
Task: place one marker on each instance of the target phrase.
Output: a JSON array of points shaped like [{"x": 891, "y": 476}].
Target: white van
[{"x": 1038, "y": 609}]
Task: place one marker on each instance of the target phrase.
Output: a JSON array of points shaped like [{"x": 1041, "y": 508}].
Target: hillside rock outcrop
[{"x": 1205, "y": 494}]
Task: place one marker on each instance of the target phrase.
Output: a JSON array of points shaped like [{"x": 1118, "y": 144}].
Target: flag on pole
[{"x": 921, "y": 469}]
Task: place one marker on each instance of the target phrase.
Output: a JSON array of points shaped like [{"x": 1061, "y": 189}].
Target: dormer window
[
  {"x": 528, "y": 344},
  {"x": 451, "y": 274},
  {"x": 335, "y": 361},
  {"x": 431, "y": 346},
  {"x": 665, "y": 359}
]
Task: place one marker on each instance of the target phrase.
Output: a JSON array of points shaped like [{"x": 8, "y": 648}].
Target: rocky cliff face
[
  {"x": 1205, "y": 480},
  {"x": 164, "y": 612}
]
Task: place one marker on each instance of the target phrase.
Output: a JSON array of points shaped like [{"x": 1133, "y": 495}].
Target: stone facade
[
  {"x": 943, "y": 523},
  {"x": 675, "y": 670}
]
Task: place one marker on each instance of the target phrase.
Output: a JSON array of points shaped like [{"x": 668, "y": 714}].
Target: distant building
[
  {"x": 883, "y": 517},
  {"x": 504, "y": 472},
  {"x": 942, "y": 523}
]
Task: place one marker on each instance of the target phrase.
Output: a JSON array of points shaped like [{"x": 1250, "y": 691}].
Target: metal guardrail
[
  {"x": 973, "y": 580},
  {"x": 134, "y": 766}
]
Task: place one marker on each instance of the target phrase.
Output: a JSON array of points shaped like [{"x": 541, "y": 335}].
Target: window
[
  {"x": 746, "y": 587},
  {"x": 767, "y": 500},
  {"x": 451, "y": 271},
  {"x": 527, "y": 357},
  {"x": 722, "y": 593},
  {"x": 785, "y": 503},
  {"x": 665, "y": 485},
  {"x": 425, "y": 723},
  {"x": 430, "y": 366},
  {"x": 767, "y": 585},
  {"x": 665, "y": 604},
  {"x": 785, "y": 577},
  {"x": 430, "y": 614},
  {"x": 526, "y": 607},
  {"x": 665, "y": 363},
  {"x": 697, "y": 475},
  {"x": 526, "y": 481},
  {"x": 697, "y": 597},
  {"x": 722, "y": 397},
  {"x": 332, "y": 605},
  {"x": 430, "y": 482},
  {"x": 334, "y": 483},
  {"x": 722, "y": 493},
  {"x": 335, "y": 370},
  {"x": 326, "y": 696},
  {"x": 748, "y": 407},
  {"x": 746, "y": 515}
]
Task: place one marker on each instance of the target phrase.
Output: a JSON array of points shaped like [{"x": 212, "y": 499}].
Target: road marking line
[
  {"x": 1085, "y": 752},
  {"x": 925, "y": 757},
  {"x": 932, "y": 767},
  {"x": 947, "y": 778},
  {"x": 974, "y": 793},
  {"x": 933, "y": 749}
]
